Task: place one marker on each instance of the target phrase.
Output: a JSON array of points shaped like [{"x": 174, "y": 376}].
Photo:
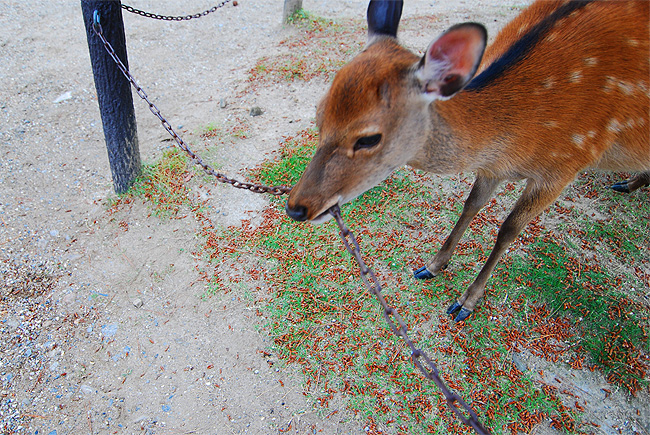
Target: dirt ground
[{"x": 106, "y": 330}]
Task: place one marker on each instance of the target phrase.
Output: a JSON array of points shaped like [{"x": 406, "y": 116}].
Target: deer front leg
[
  {"x": 531, "y": 203},
  {"x": 481, "y": 192}
]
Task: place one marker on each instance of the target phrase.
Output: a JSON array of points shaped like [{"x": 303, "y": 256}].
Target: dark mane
[{"x": 520, "y": 49}]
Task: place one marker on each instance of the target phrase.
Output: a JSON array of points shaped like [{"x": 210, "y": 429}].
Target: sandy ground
[{"x": 107, "y": 330}]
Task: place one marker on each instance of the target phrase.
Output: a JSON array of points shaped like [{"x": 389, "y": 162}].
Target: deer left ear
[{"x": 452, "y": 60}]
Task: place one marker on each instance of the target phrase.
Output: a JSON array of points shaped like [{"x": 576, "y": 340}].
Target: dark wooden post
[{"x": 113, "y": 92}]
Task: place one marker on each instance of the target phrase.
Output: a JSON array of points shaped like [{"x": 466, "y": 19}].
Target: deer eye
[{"x": 367, "y": 141}]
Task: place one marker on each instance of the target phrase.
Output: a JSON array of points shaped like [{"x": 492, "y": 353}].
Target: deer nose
[{"x": 297, "y": 213}]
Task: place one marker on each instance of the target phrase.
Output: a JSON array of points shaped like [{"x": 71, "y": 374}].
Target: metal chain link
[
  {"x": 398, "y": 326},
  {"x": 257, "y": 188},
  {"x": 393, "y": 318},
  {"x": 174, "y": 18}
]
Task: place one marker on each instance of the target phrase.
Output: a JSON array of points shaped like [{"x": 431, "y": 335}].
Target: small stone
[
  {"x": 256, "y": 111},
  {"x": 109, "y": 330},
  {"x": 13, "y": 323},
  {"x": 519, "y": 363},
  {"x": 137, "y": 302},
  {"x": 223, "y": 103},
  {"x": 63, "y": 97}
]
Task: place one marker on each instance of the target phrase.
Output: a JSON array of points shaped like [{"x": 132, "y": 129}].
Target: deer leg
[
  {"x": 531, "y": 203},
  {"x": 634, "y": 183},
  {"x": 481, "y": 192}
]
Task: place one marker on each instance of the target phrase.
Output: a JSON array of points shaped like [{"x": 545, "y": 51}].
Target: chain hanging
[
  {"x": 257, "y": 188},
  {"x": 394, "y": 320},
  {"x": 398, "y": 326},
  {"x": 174, "y": 18}
]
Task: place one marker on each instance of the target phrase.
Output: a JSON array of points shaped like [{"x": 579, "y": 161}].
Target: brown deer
[{"x": 563, "y": 87}]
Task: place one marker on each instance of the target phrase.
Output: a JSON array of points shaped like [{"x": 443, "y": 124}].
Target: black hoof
[
  {"x": 621, "y": 186},
  {"x": 462, "y": 315},
  {"x": 455, "y": 307},
  {"x": 423, "y": 273}
]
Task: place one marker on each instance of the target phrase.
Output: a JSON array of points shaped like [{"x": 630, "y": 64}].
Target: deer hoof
[
  {"x": 621, "y": 186},
  {"x": 462, "y": 315},
  {"x": 455, "y": 307},
  {"x": 423, "y": 273}
]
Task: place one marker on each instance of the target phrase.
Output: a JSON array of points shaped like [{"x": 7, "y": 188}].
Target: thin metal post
[{"x": 113, "y": 92}]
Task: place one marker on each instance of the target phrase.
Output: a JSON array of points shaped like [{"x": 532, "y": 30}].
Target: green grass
[
  {"x": 318, "y": 48},
  {"x": 162, "y": 184},
  {"x": 324, "y": 321}
]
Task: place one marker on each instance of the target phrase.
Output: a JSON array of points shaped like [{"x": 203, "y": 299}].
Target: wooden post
[
  {"x": 113, "y": 92},
  {"x": 290, "y": 8}
]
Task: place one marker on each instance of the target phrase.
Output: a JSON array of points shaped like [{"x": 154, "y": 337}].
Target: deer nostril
[{"x": 297, "y": 213}]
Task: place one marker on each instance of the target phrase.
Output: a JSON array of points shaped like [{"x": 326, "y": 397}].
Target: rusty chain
[
  {"x": 393, "y": 318},
  {"x": 400, "y": 329},
  {"x": 174, "y": 18},
  {"x": 257, "y": 188}
]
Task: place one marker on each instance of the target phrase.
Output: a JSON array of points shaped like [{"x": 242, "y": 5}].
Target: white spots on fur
[
  {"x": 550, "y": 124},
  {"x": 614, "y": 126},
  {"x": 575, "y": 76},
  {"x": 590, "y": 61},
  {"x": 578, "y": 140},
  {"x": 642, "y": 86},
  {"x": 591, "y": 134},
  {"x": 632, "y": 42},
  {"x": 626, "y": 88},
  {"x": 548, "y": 82},
  {"x": 641, "y": 122}
]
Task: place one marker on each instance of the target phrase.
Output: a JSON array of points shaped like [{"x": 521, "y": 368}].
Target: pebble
[
  {"x": 63, "y": 97},
  {"x": 109, "y": 330},
  {"x": 137, "y": 302},
  {"x": 256, "y": 111},
  {"x": 519, "y": 363}
]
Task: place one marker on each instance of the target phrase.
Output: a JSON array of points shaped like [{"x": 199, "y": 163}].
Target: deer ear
[
  {"x": 452, "y": 60},
  {"x": 383, "y": 18}
]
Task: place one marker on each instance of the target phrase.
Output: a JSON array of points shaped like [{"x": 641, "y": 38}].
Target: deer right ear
[
  {"x": 452, "y": 60},
  {"x": 383, "y": 18}
]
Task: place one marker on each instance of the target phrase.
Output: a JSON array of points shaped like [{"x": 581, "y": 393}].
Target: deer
[{"x": 563, "y": 87}]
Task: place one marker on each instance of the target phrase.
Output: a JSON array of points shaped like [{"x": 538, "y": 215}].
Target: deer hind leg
[
  {"x": 634, "y": 183},
  {"x": 532, "y": 202},
  {"x": 481, "y": 192}
]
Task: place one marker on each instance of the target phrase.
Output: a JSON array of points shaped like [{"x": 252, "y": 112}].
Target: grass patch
[
  {"x": 559, "y": 310},
  {"x": 610, "y": 325},
  {"x": 161, "y": 184},
  {"x": 318, "y": 48}
]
